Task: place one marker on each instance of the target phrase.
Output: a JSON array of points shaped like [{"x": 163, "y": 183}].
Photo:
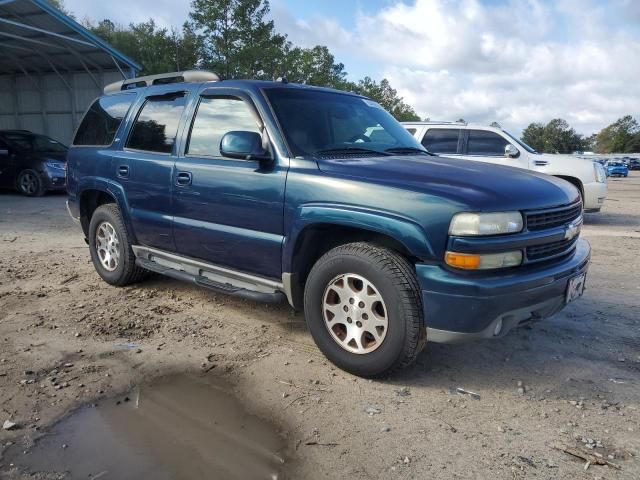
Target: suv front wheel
[
  {"x": 110, "y": 247},
  {"x": 363, "y": 307}
]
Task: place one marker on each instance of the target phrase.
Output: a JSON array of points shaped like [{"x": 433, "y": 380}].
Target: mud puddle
[{"x": 179, "y": 427}]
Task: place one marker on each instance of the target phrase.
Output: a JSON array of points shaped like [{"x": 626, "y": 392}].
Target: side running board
[{"x": 219, "y": 279}]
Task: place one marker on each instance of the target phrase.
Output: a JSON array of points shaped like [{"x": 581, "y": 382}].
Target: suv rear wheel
[
  {"x": 110, "y": 247},
  {"x": 363, "y": 307}
]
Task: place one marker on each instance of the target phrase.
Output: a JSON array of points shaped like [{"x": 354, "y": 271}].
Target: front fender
[{"x": 404, "y": 230}]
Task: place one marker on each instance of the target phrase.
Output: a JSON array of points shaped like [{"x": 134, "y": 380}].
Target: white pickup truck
[{"x": 495, "y": 145}]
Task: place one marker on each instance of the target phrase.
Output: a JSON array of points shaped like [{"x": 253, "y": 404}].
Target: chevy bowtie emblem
[{"x": 573, "y": 229}]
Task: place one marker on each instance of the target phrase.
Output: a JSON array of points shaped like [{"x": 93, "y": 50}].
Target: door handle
[
  {"x": 123, "y": 171},
  {"x": 183, "y": 179}
]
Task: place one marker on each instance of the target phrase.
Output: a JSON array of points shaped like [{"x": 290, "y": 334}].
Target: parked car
[
  {"x": 272, "y": 191},
  {"x": 30, "y": 163},
  {"x": 617, "y": 169},
  {"x": 495, "y": 145},
  {"x": 634, "y": 164}
]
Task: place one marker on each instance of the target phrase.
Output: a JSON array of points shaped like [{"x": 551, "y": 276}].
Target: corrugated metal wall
[{"x": 45, "y": 104}]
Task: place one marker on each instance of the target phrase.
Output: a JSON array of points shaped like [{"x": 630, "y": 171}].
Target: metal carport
[{"x": 51, "y": 68}]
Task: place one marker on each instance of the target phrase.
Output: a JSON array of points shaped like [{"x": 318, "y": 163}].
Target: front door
[
  {"x": 488, "y": 146},
  {"x": 228, "y": 211}
]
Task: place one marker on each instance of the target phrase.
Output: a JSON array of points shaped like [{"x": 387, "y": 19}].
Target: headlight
[
  {"x": 464, "y": 224},
  {"x": 55, "y": 165},
  {"x": 601, "y": 174},
  {"x": 485, "y": 261}
]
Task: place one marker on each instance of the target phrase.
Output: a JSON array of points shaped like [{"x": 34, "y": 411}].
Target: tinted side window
[
  {"x": 412, "y": 131},
  {"x": 102, "y": 120},
  {"x": 156, "y": 127},
  {"x": 215, "y": 117},
  {"x": 441, "y": 140},
  {"x": 485, "y": 143}
]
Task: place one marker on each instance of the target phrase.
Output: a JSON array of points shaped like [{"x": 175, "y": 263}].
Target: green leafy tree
[
  {"x": 386, "y": 96},
  {"x": 157, "y": 49},
  {"x": 554, "y": 137},
  {"x": 236, "y": 39},
  {"x": 533, "y": 135},
  {"x": 313, "y": 66},
  {"x": 622, "y": 136}
]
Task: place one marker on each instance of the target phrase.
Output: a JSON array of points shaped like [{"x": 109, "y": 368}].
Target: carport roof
[{"x": 37, "y": 38}]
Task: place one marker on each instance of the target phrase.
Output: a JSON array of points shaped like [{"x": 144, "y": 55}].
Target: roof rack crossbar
[{"x": 162, "y": 79}]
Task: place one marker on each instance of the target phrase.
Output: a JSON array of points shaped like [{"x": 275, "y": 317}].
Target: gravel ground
[{"x": 67, "y": 339}]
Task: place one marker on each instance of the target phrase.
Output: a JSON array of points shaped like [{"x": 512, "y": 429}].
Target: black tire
[
  {"x": 126, "y": 271},
  {"x": 395, "y": 279},
  {"x": 30, "y": 183}
]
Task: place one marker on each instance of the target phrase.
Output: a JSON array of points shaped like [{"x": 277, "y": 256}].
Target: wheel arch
[
  {"x": 576, "y": 182},
  {"x": 98, "y": 193},
  {"x": 319, "y": 229}
]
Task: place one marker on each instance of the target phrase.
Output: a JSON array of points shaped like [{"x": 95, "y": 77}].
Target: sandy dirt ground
[{"x": 68, "y": 339}]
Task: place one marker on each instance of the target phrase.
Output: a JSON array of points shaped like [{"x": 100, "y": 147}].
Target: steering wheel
[{"x": 360, "y": 136}]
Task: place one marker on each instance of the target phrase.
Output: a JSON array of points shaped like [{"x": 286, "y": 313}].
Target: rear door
[
  {"x": 228, "y": 211},
  {"x": 446, "y": 142},
  {"x": 145, "y": 167}
]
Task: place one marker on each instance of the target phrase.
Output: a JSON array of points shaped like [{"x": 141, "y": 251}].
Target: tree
[
  {"x": 622, "y": 136},
  {"x": 313, "y": 66},
  {"x": 533, "y": 136},
  {"x": 386, "y": 96},
  {"x": 236, "y": 40},
  {"x": 155, "y": 48},
  {"x": 554, "y": 137}
]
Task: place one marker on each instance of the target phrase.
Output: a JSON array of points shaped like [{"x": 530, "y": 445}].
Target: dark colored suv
[
  {"x": 273, "y": 191},
  {"x": 31, "y": 163}
]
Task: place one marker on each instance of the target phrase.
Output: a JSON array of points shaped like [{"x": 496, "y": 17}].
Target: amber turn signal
[
  {"x": 467, "y": 261},
  {"x": 487, "y": 261}
]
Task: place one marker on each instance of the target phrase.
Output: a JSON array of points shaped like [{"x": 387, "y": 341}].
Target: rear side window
[
  {"x": 482, "y": 142},
  {"x": 102, "y": 120},
  {"x": 412, "y": 131},
  {"x": 441, "y": 140},
  {"x": 156, "y": 127},
  {"x": 215, "y": 117}
]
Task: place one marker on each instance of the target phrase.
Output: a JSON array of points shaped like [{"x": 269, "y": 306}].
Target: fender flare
[
  {"x": 402, "y": 229},
  {"x": 113, "y": 189}
]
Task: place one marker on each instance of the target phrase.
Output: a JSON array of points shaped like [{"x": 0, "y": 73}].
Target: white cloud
[{"x": 514, "y": 61}]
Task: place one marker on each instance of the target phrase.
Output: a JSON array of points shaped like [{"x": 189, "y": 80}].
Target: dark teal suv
[{"x": 274, "y": 191}]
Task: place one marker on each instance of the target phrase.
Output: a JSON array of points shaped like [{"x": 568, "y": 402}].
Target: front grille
[
  {"x": 554, "y": 217},
  {"x": 549, "y": 250}
]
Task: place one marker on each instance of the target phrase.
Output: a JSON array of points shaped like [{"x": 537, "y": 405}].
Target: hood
[{"x": 479, "y": 186}]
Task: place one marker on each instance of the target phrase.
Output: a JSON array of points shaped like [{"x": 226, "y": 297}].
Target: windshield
[
  {"x": 317, "y": 123},
  {"x": 35, "y": 143},
  {"x": 521, "y": 143}
]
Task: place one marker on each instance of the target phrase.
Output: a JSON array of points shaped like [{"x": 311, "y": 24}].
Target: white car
[{"x": 495, "y": 145}]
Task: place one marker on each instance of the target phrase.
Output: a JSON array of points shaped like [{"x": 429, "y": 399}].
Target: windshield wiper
[
  {"x": 408, "y": 150},
  {"x": 348, "y": 150}
]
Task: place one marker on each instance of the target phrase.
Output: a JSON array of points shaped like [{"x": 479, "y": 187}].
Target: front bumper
[
  {"x": 460, "y": 307},
  {"x": 595, "y": 194},
  {"x": 54, "y": 180}
]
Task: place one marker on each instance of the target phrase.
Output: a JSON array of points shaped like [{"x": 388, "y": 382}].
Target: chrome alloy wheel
[
  {"x": 107, "y": 246},
  {"x": 354, "y": 313}
]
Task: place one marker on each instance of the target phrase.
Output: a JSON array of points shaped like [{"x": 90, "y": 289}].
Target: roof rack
[
  {"x": 162, "y": 79},
  {"x": 436, "y": 122}
]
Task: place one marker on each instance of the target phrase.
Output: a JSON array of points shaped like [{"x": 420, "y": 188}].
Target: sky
[{"x": 510, "y": 61}]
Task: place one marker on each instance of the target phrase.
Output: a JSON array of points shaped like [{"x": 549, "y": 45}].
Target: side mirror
[
  {"x": 510, "y": 151},
  {"x": 4, "y": 152},
  {"x": 243, "y": 145}
]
